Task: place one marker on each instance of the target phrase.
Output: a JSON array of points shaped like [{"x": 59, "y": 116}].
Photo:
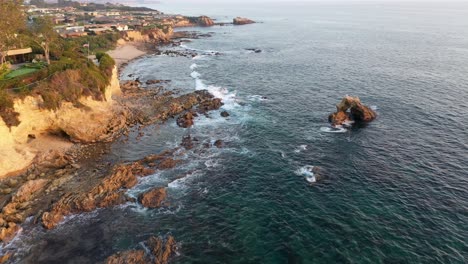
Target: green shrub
[{"x": 106, "y": 65}]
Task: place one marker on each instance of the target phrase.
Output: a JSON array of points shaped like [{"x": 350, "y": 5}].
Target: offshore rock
[
  {"x": 242, "y": 21},
  {"x": 168, "y": 163},
  {"x": 187, "y": 142},
  {"x": 224, "y": 114},
  {"x": 219, "y": 143},
  {"x": 351, "y": 109},
  {"x": 185, "y": 120},
  {"x": 128, "y": 257},
  {"x": 205, "y": 21},
  {"x": 209, "y": 105},
  {"x": 160, "y": 251},
  {"x": 153, "y": 198}
]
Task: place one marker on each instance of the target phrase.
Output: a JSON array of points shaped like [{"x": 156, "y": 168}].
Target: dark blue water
[{"x": 394, "y": 191}]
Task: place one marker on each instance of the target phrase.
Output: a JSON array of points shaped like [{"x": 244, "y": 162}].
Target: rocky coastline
[{"x": 70, "y": 180}]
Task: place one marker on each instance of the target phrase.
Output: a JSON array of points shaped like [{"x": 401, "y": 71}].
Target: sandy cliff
[{"x": 42, "y": 130}]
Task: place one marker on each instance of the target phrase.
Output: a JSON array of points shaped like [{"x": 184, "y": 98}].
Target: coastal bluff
[{"x": 41, "y": 130}]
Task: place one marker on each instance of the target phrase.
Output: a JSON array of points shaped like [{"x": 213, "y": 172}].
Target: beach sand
[{"x": 126, "y": 52}]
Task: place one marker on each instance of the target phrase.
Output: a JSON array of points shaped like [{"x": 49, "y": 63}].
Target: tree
[
  {"x": 12, "y": 21},
  {"x": 43, "y": 34}
]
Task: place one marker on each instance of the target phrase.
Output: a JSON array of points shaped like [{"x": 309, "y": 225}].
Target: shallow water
[{"x": 394, "y": 190}]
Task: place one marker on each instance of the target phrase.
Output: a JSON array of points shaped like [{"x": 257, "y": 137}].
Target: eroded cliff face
[
  {"x": 43, "y": 130},
  {"x": 155, "y": 35}
]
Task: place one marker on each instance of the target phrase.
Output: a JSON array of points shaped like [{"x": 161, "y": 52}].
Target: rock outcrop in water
[
  {"x": 185, "y": 120},
  {"x": 153, "y": 198},
  {"x": 159, "y": 252},
  {"x": 205, "y": 21},
  {"x": 351, "y": 109},
  {"x": 110, "y": 190},
  {"x": 242, "y": 21}
]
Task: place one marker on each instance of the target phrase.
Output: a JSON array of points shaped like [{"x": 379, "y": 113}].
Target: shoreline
[
  {"x": 126, "y": 52},
  {"x": 47, "y": 182}
]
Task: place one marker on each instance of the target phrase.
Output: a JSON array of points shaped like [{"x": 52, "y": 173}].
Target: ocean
[{"x": 392, "y": 191}]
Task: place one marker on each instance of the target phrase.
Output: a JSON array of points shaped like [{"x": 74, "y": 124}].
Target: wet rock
[
  {"x": 224, "y": 114},
  {"x": 153, "y": 198},
  {"x": 255, "y": 50},
  {"x": 209, "y": 105},
  {"x": 107, "y": 193},
  {"x": 168, "y": 163},
  {"x": 242, "y": 21},
  {"x": 185, "y": 120},
  {"x": 219, "y": 143},
  {"x": 160, "y": 252},
  {"x": 161, "y": 249},
  {"x": 187, "y": 142},
  {"x": 4, "y": 258},
  {"x": 351, "y": 109},
  {"x": 8, "y": 233},
  {"x": 150, "y": 82},
  {"x": 128, "y": 257}
]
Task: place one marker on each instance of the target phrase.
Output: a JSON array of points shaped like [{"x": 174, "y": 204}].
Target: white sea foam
[
  {"x": 373, "y": 107},
  {"x": 199, "y": 50},
  {"x": 193, "y": 66},
  {"x": 257, "y": 98},
  {"x": 300, "y": 148},
  {"x": 195, "y": 74},
  {"x": 211, "y": 163},
  {"x": 333, "y": 130},
  {"x": 348, "y": 123},
  {"x": 307, "y": 172},
  {"x": 198, "y": 57}
]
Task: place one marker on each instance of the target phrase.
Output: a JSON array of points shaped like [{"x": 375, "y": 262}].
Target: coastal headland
[{"x": 49, "y": 167}]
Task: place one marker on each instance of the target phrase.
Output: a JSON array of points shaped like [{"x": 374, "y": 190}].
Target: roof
[{"x": 19, "y": 51}]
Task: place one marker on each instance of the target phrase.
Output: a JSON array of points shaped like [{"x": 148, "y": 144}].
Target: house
[{"x": 19, "y": 55}]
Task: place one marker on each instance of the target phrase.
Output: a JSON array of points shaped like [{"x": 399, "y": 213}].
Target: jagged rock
[
  {"x": 185, "y": 120},
  {"x": 255, "y": 50},
  {"x": 219, "y": 143},
  {"x": 205, "y": 21},
  {"x": 4, "y": 258},
  {"x": 8, "y": 233},
  {"x": 209, "y": 105},
  {"x": 224, "y": 114},
  {"x": 130, "y": 85},
  {"x": 106, "y": 193},
  {"x": 153, "y": 198},
  {"x": 149, "y": 82},
  {"x": 187, "y": 142},
  {"x": 53, "y": 159},
  {"x": 128, "y": 257},
  {"x": 351, "y": 109},
  {"x": 242, "y": 21},
  {"x": 160, "y": 251},
  {"x": 168, "y": 163},
  {"x": 28, "y": 190}
]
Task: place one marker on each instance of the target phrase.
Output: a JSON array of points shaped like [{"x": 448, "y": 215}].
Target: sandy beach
[{"x": 125, "y": 52}]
